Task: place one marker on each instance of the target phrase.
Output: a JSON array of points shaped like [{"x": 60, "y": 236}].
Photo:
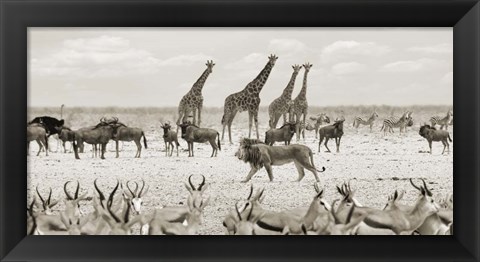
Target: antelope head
[
  {"x": 135, "y": 199},
  {"x": 196, "y": 193},
  {"x": 74, "y": 200},
  {"x": 339, "y": 228},
  {"x": 47, "y": 204},
  {"x": 245, "y": 226},
  {"x": 392, "y": 200},
  {"x": 425, "y": 203}
]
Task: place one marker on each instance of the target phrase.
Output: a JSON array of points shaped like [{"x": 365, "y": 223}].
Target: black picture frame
[{"x": 17, "y": 16}]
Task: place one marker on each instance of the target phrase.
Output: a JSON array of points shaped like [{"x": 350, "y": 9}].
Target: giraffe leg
[
  {"x": 194, "y": 113},
  {"x": 250, "y": 118},
  {"x": 255, "y": 119}
]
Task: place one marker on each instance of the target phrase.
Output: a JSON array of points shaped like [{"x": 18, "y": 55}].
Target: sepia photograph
[{"x": 240, "y": 131}]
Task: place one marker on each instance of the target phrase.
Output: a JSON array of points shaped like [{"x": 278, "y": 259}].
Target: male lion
[{"x": 258, "y": 155}]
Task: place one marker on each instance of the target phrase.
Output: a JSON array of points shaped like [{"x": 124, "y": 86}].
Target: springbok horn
[
  {"x": 69, "y": 197},
  {"x": 102, "y": 197},
  {"x": 319, "y": 194},
  {"x": 238, "y": 212},
  {"x": 141, "y": 190},
  {"x": 315, "y": 186},
  {"x": 41, "y": 198},
  {"x": 77, "y": 190},
  {"x": 251, "y": 191},
  {"x": 337, "y": 221},
  {"x": 190, "y": 182},
  {"x": 201, "y": 184},
  {"x": 110, "y": 202},
  {"x": 49, "y": 197},
  {"x": 126, "y": 217},
  {"x": 415, "y": 186},
  {"x": 129, "y": 189},
  {"x": 426, "y": 188}
]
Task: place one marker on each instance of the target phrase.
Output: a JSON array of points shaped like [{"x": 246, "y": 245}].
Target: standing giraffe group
[{"x": 300, "y": 104}]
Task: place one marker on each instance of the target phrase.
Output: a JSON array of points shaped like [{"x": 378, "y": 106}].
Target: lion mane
[{"x": 251, "y": 153}]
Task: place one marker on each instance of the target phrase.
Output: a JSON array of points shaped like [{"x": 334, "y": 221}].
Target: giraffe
[
  {"x": 283, "y": 104},
  {"x": 247, "y": 100},
  {"x": 193, "y": 100},
  {"x": 300, "y": 104}
]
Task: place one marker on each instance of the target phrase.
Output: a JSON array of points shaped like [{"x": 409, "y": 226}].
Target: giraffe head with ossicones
[
  {"x": 307, "y": 66},
  {"x": 296, "y": 68},
  {"x": 210, "y": 65},
  {"x": 272, "y": 59}
]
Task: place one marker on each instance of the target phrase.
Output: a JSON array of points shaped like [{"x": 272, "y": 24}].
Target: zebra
[
  {"x": 442, "y": 121},
  {"x": 394, "y": 122},
  {"x": 359, "y": 120}
]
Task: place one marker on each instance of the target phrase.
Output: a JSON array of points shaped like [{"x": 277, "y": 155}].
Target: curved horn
[
  {"x": 141, "y": 190},
  {"x": 69, "y": 197},
  {"x": 251, "y": 192},
  {"x": 102, "y": 197},
  {"x": 110, "y": 202},
  {"x": 426, "y": 188},
  {"x": 129, "y": 189},
  {"x": 41, "y": 198},
  {"x": 201, "y": 184},
  {"x": 238, "y": 212},
  {"x": 350, "y": 214},
  {"x": 77, "y": 190},
  {"x": 190, "y": 182},
  {"x": 49, "y": 197},
  {"x": 415, "y": 186}
]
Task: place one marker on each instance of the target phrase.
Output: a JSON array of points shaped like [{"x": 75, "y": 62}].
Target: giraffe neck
[
  {"x": 197, "y": 87},
  {"x": 287, "y": 92},
  {"x": 257, "y": 84},
  {"x": 303, "y": 92}
]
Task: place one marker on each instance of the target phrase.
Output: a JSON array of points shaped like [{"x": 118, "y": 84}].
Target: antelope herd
[
  {"x": 121, "y": 211},
  {"x": 118, "y": 214}
]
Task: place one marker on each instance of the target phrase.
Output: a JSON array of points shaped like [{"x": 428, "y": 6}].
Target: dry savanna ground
[{"x": 375, "y": 165}]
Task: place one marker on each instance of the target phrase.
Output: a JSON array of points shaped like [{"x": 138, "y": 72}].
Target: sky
[{"x": 155, "y": 67}]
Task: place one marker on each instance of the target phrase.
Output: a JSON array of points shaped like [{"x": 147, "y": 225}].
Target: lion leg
[
  {"x": 301, "y": 172},
  {"x": 268, "y": 167},
  {"x": 252, "y": 172}
]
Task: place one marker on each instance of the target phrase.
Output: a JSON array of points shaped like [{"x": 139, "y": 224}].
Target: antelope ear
[
  {"x": 205, "y": 203},
  {"x": 188, "y": 188},
  {"x": 204, "y": 187}
]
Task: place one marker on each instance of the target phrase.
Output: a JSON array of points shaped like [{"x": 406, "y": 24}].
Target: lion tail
[{"x": 313, "y": 164}]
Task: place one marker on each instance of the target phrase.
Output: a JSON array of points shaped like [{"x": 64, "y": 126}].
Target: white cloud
[
  {"x": 434, "y": 49},
  {"x": 348, "y": 68},
  {"x": 422, "y": 64},
  {"x": 251, "y": 61},
  {"x": 105, "y": 56},
  {"x": 346, "y": 49},
  {"x": 447, "y": 78},
  {"x": 286, "y": 46}
]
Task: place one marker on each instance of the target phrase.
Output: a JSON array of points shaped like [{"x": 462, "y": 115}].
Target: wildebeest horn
[
  {"x": 201, "y": 184},
  {"x": 238, "y": 212},
  {"x": 251, "y": 191},
  {"x": 426, "y": 188},
  {"x": 69, "y": 197},
  {"x": 141, "y": 190},
  {"x": 131, "y": 192},
  {"x": 190, "y": 182},
  {"x": 415, "y": 186}
]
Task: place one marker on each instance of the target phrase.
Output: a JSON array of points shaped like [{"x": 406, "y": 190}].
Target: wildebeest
[
  {"x": 170, "y": 138},
  {"x": 39, "y": 133},
  {"x": 125, "y": 133},
  {"x": 101, "y": 134},
  {"x": 332, "y": 131},
  {"x": 194, "y": 134},
  {"x": 282, "y": 134},
  {"x": 51, "y": 124},
  {"x": 432, "y": 134},
  {"x": 66, "y": 134},
  {"x": 259, "y": 155}
]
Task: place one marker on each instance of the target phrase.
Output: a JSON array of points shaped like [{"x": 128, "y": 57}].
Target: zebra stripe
[
  {"x": 397, "y": 122},
  {"x": 361, "y": 121},
  {"x": 442, "y": 121}
]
